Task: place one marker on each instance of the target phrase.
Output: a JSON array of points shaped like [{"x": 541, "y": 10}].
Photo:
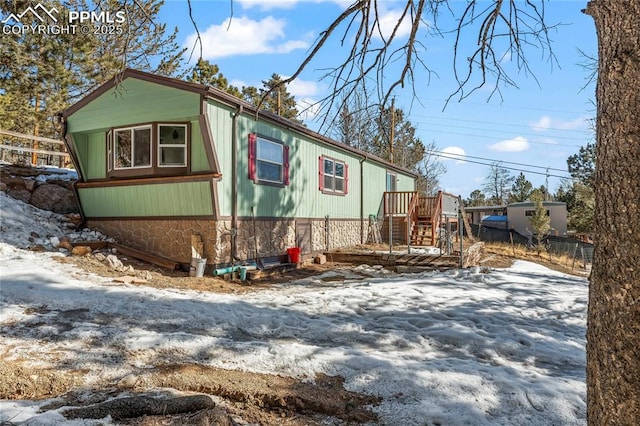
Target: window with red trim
[
  {"x": 334, "y": 176},
  {"x": 268, "y": 161}
]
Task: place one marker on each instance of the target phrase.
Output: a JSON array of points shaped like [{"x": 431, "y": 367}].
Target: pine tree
[
  {"x": 476, "y": 198},
  {"x": 278, "y": 101},
  {"x": 400, "y": 146},
  {"x": 209, "y": 74},
  {"x": 521, "y": 189},
  {"x": 540, "y": 221},
  {"x": 582, "y": 165}
]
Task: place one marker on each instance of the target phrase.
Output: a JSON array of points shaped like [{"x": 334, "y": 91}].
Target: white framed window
[
  {"x": 269, "y": 161},
  {"x": 132, "y": 147},
  {"x": 333, "y": 176},
  {"x": 109, "y": 150},
  {"x": 172, "y": 145}
]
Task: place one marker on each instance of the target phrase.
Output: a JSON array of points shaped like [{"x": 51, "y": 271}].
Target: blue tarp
[{"x": 494, "y": 219}]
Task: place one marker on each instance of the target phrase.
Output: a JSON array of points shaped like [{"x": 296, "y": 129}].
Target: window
[
  {"x": 172, "y": 146},
  {"x": 392, "y": 180},
  {"x": 530, "y": 213},
  {"x": 268, "y": 161},
  {"x": 132, "y": 148},
  {"x": 109, "y": 151},
  {"x": 148, "y": 149},
  {"x": 333, "y": 176}
]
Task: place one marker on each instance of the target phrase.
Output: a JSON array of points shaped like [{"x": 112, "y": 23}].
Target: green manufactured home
[{"x": 162, "y": 160}]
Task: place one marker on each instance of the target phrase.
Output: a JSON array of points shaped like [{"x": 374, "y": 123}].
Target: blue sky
[{"x": 539, "y": 123}]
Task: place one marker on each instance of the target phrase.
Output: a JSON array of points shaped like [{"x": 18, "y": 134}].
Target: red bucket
[{"x": 294, "y": 254}]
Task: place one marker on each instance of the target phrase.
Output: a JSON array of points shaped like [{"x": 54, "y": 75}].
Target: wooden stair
[{"x": 422, "y": 232}]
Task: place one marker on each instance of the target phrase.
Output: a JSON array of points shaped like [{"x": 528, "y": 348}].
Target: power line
[
  {"x": 485, "y": 137},
  {"x": 445, "y": 155},
  {"x": 457, "y": 120},
  {"x": 495, "y": 161}
]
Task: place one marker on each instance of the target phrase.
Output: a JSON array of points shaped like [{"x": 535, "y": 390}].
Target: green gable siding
[
  {"x": 135, "y": 101},
  {"x": 170, "y": 199}
]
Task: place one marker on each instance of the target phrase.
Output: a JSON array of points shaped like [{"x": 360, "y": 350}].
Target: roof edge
[{"x": 220, "y": 95}]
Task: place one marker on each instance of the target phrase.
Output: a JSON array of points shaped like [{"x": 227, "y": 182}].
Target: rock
[
  {"x": 65, "y": 243},
  {"x": 128, "y": 381},
  {"x": 54, "y": 242},
  {"x": 81, "y": 250},
  {"x": 114, "y": 262},
  {"x": 54, "y": 198},
  {"x": 3, "y": 187},
  {"x": 100, "y": 257},
  {"x": 20, "y": 194},
  {"x": 30, "y": 184}
]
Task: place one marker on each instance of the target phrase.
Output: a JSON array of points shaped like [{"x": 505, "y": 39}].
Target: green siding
[
  {"x": 96, "y": 158},
  {"x": 170, "y": 199},
  {"x": 302, "y": 198},
  {"x": 81, "y": 148},
  {"x": 221, "y": 122},
  {"x": 135, "y": 101},
  {"x": 199, "y": 161}
]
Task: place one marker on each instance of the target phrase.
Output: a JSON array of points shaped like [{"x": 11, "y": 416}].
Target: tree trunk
[{"x": 613, "y": 324}]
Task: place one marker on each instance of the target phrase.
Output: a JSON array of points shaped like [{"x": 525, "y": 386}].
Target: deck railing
[{"x": 398, "y": 202}]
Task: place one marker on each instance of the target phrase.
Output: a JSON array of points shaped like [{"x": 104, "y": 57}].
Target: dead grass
[{"x": 501, "y": 255}]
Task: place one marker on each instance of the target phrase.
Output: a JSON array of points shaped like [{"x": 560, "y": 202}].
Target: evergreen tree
[
  {"x": 42, "y": 73},
  {"x": 209, "y": 74},
  {"x": 521, "y": 189},
  {"x": 476, "y": 198},
  {"x": 396, "y": 140},
  {"x": 540, "y": 221},
  {"x": 278, "y": 101},
  {"x": 582, "y": 165}
]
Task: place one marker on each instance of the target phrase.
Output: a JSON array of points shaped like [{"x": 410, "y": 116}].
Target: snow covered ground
[{"x": 461, "y": 347}]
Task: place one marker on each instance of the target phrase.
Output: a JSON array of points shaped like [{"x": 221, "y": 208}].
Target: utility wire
[
  {"x": 485, "y": 137},
  {"x": 464, "y": 120},
  {"x": 495, "y": 161},
  {"x": 445, "y": 155}
]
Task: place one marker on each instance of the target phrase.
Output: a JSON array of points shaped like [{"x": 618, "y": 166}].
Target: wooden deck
[{"x": 399, "y": 261}]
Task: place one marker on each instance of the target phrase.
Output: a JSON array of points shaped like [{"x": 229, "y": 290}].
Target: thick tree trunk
[{"x": 613, "y": 325}]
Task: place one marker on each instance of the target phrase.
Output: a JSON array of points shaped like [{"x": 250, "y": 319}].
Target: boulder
[
  {"x": 54, "y": 198},
  {"x": 20, "y": 194}
]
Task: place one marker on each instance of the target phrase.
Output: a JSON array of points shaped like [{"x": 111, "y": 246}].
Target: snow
[{"x": 462, "y": 347}]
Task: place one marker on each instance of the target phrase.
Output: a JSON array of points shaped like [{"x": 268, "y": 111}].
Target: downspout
[
  {"x": 234, "y": 186},
  {"x": 362, "y": 237}
]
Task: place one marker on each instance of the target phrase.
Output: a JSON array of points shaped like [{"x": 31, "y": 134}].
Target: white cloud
[
  {"x": 516, "y": 144},
  {"x": 454, "y": 152},
  {"x": 542, "y": 124},
  {"x": 545, "y": 123},
  {"x": 302, "y": 88},
  {"x": 387, "y": 22},
  {"x": 268, "y": 4},
  {"x": 245, "y": 36},
  {"x": 309, "y": 109}
]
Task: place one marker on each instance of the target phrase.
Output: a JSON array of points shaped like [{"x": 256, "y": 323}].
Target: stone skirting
[{"x": 171, "y": 238}]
